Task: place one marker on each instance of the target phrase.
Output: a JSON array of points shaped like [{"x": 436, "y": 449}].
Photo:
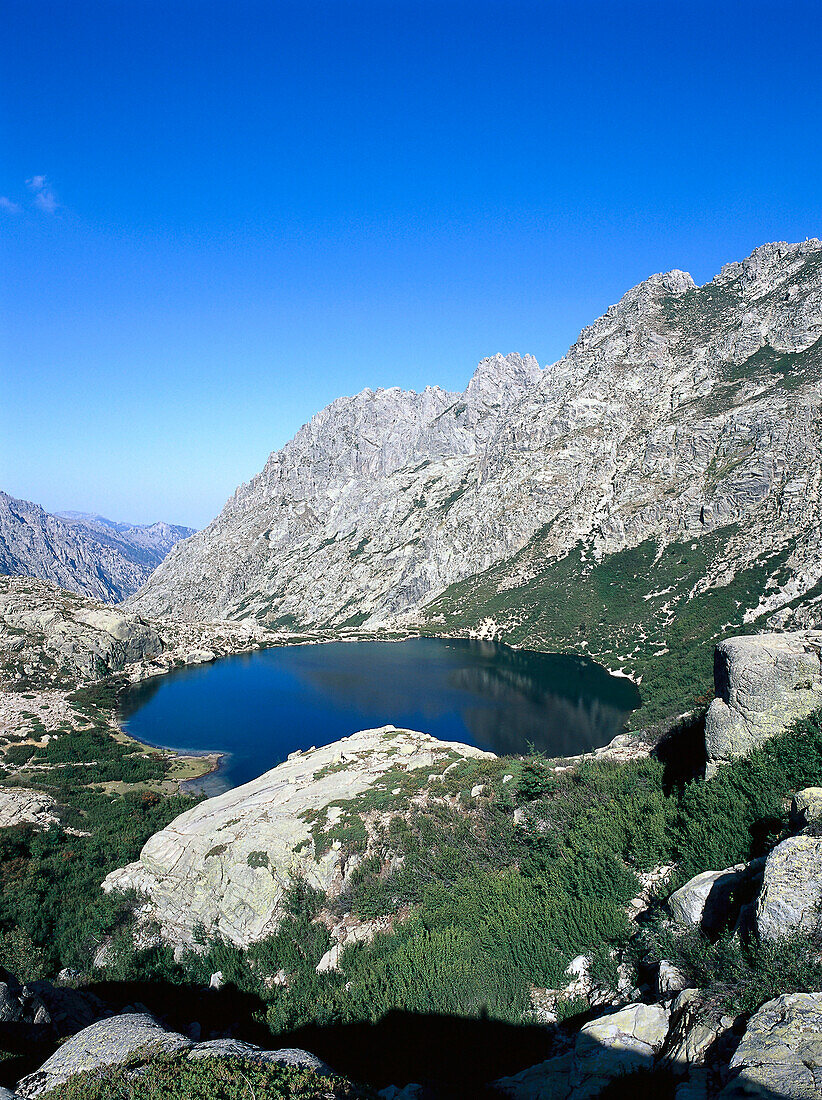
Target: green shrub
[
  {"x": 175, "y": 1078},
  {"x": 20, "y": 955},
  {"x": 50, "y": 879},
  {"x": 739, "y": 976}
]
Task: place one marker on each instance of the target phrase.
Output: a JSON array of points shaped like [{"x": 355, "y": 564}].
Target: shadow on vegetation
[
  {"x": 452, "y": 1058},
  {"x": 451, "y": 1055}
]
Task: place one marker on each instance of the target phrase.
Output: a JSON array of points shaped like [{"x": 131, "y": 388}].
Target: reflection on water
[{"x": 262, "y": 706}]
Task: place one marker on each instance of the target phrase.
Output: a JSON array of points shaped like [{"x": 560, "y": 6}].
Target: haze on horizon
[{"x": 217, "y": 218}]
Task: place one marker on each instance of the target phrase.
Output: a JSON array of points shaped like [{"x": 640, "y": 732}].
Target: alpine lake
[{"x": 257, "y": 708}]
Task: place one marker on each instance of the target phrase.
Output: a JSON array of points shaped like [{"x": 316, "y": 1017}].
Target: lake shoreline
[{"x": 261, "y": 706}]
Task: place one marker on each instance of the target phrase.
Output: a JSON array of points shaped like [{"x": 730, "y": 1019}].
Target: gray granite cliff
[{"x": 683, "y": 411}]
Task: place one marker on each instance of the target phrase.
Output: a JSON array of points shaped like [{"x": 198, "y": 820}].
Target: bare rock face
[
  {"x": 20, "y": 806},
  {"x": 53, "y": 638},
  {"x": 710, "y": 900},
  {"x": 85, "y": 554},
  {"x": 49, "y": 635},
  {"x": 791, "y": 889},
  {"x": 780, "y": 1054},
  {"x": 763, "y": 683},
  {"x": 807, "y": 806},
  {"x": 226, "y": 864},
  {"x": 604, "y": 1049},
  {"x": 616, "y": 1044},
  {"x": 682, "y": 413},
  {"x": 105, "y": 1043}
]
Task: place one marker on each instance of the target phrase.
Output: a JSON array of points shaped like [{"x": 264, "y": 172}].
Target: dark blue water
[{"x": 260, "y": 707}]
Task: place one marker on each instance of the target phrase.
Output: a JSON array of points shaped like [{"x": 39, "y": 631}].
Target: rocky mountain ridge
[
  {"x": 685, "y": 418},
  {"x": 87, "y": 554}
]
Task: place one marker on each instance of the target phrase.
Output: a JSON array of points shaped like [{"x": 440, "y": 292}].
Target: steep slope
[
  {"x": 85, "y": 554},
  {"x": 682, "y": 431},
  {"x": 343, "y": 523}
]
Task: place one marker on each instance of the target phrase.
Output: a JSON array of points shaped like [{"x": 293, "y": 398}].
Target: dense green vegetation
[
  {"x": 491, "y": 909},
  {"x": 175, "y": 1078},
  {"x": 645, "y": 609},
  {"x": 83, "y": 752},
  {"x": 82, "y": 756},
  {"x": 487, "y": 904},
  {"x": 52, "y": 911},
  {"x": 739, "y": 975}
]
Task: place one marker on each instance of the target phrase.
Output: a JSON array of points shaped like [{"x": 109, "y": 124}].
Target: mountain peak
[{"x": 502, "y": 378}]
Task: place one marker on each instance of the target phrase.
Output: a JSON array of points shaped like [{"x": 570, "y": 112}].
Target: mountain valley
[
  {"x": 429, "y": 920},
  {"x": 86, "y": 554},
  {"x": 656, "y": 487}
]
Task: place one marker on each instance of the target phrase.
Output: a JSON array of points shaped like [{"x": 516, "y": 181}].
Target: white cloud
[
  {"x": 9, "y": 206},
  {"x": 44, "y": 196}
]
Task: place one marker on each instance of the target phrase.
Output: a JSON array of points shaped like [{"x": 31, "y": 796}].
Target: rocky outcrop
[
  {"x": 604, "y": 1049},
  {"x": 791, "y": 889},
  {"x": 806, "y": 806},
  {"x": 712, "y": 900},
  {"x": 19, "y": 806},
  {"x": 226, "y": 864},
  {"x": 85, "y": 554},
  {"x": 41, "y": 1007},
  {"x": 763, "y": 683},
  {"x": 136, "y": 1038},
  {"x": 693, "y": 1031},
  {"x": 615, "y": 1045},
  {"x": 781, "y": 893},
  {"x": 50, "y": 636},
  {"x": 548, "y": 1080},
  {"x": 780, "y": 1054},
  {"x": 682, "y": 413},
  {"x": 53, "y": 638}
]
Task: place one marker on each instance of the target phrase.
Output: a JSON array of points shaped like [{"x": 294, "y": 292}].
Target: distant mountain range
[
  {"x": 87, "y": 554},
  {"x": 658, "y": 486}
]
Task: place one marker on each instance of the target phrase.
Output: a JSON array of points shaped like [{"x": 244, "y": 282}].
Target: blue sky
[{"x": 218, "y": 217}]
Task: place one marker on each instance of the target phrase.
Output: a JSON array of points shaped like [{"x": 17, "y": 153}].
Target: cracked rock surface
[
  {"x": 780, "y": 1054},
  {"x": 226, "y": 864},
  {"x": 763, "y": 683}
]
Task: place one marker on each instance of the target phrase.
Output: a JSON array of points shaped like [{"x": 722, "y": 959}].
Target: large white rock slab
[
  {"x": 20, "y": 806},
  {"x": 224, "y": 866},
  {"x": 711, "y": 900}
]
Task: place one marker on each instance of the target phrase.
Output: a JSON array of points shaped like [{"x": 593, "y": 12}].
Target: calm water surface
[{"x": 260, "y": 707}]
